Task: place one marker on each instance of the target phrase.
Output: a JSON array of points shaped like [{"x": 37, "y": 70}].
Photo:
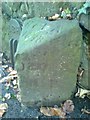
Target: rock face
[
  {"x": 85, "y": 81},
  {"x": 47, "y": 59},
  {"x": 11, "y": 30},
  {"x": 84, "y": 16},
  {"x": 85, "y": 21},
  {"x": 14, "y": 29}
]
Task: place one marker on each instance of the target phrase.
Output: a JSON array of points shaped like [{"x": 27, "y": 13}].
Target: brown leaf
[
  {"x": 55, "y": 17},
  {"x": 68, "y": 106},
  {"x": 7, "y": 78},
  {"x": 10, "y": 69},
  {"x": 3, "y": 108},
  {"x": 57, "y": 112},
  {"x": 14, "y": 72},
  {"x": 45, "y": 111},
  {"x": 2, "y": 112},
  {"x": 52, "y": 111}
]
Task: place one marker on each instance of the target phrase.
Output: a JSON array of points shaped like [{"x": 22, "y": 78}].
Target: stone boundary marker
[{"x": 47, "y": 60}]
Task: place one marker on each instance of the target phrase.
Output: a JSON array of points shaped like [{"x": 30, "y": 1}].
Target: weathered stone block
[{"x": 47, "y": 60}]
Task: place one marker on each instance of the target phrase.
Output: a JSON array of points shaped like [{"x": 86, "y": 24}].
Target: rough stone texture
[
  {"x": 43, "y": 9},
  {"x": 76, "y": 5},
  {"x": 14, "y": 29},
  {"x": 85, "y": 81},
  {"x": 16, "y": 10},
  {"x": 47, "y": 59},
  {"x": 6, "y": 9},
  {"x": 84, "y": 19},
  {"x": 10, "y": 30},
  {"x": 5, "y": 35}
]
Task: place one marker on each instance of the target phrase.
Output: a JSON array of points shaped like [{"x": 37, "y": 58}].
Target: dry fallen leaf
[
  {"x": 14, "y": 72},
  {"x": 85, "y": 111},
  {"x": 2, "y": 112},
  {"x": 14, "y": 82},
  {"x": 82, "y": 93},
  {"x": 45, "y": 111},
  {"x": 10, "y": 69},
  {"x": 3, "y": 107},
  {"x": 52, "y": 112},
  {"x": 56, "y": 16},
  {"x": 15, "y": 87},
  {"x": 57, "y": 112},
  {"x": 5, "y": 66},
  {"x": 8, "y": 78},
  {"x": 68, "y": 106}
]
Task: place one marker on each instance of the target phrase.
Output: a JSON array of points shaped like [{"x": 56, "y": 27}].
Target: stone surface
[
  {"x": 84, "y": 16},
  {"x": 10, "y": 30},
  {"x": 14, "y": 29},
  {"x": 47, "y": 59},
  {"x": 6, "y": 9},
  {"x": 5, "y": 35},
  {"x": 43, "y": 9},
  {"x": 85, "y": 81},
  {"x": 85, "y": 20}
]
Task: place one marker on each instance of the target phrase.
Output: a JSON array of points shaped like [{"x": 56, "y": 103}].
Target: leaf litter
[
  {"x": 10, "y": 82},
  {"x": 82, "y": 93},
  {"x": 65, "y": 108}
]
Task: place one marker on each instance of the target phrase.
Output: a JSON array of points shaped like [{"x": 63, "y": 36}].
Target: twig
[{"x": 85, "y": 111}]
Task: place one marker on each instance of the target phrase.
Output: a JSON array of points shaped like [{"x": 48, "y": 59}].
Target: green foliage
[
  {"x": 83, "y": 9},
  {"x": 86, "y": 5},
  {"x": 67, "y": 11},
  {"x": 13, "y": 96}
]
